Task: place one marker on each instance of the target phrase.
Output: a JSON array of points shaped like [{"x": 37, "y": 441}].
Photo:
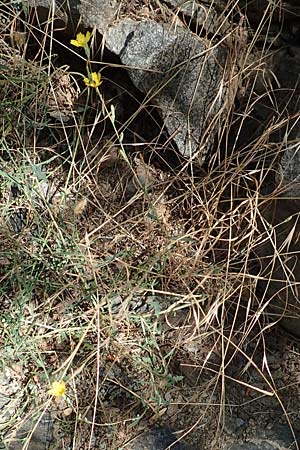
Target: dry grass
[{"x": 133, "y": 280}]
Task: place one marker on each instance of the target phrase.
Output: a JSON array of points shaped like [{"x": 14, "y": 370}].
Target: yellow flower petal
[
  {"x": 58, "y": 388},
  {"x": 96, "y": 77},
  {"x": 94, "y": 80},
  {"x": 81, "y": 39},
  {"x": 74, "y": 42},
  {"x": 87, "y": 36}
]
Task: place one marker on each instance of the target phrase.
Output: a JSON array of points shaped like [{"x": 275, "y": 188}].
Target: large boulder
[{"x": 180, "y": 72}]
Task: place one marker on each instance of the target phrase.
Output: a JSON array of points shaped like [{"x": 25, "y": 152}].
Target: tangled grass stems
[{"x": 111, "y": 267}]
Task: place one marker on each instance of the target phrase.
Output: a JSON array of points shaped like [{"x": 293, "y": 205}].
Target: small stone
[{"x": 157, "y": 439}]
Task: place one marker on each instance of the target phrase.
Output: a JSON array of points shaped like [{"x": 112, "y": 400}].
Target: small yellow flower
[
  {"x": 93, "y": 80},
  {"x": 81, "y": 39},
  {"x": 58, "y": 388}
]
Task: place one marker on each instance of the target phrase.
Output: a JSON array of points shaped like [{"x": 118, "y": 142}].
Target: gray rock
[
  {"x": 278, "y": 256},
  {"x": 157, "y": 439},
  {"x": 204, "y": 16},
  {"x": 278, "y": 437},
  {"x": 290, "y": 171},
  {"x": 286, "y": 66},
  {"x": 280, "y": 274},
  {"x": 10, "y": 396},
  {"x": 280, "y": 265},
  {"x": 102, "y": 13},
  {"x": 179, "y": 72},
  {"x": 96, "y": 13},
  {"x": 234, "y": 425},
  {"x": 251, "y": 446},
  {"x": 36, "y": 431},
  {"x": 37, "y": 434}
]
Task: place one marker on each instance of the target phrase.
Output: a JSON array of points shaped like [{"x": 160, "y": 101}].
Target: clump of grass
[{"x": 111, "y": 268}]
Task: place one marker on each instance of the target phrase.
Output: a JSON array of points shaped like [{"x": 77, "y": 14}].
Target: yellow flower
[
  {"x": 81, "y": 39},
  {"x": 58, "y": 388},
  {"x": 93, "y": 80}
]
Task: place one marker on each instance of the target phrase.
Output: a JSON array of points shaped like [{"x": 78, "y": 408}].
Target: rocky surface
[
  {"x": 102, "y": 13},
  {"x": 201, "y": 15},
  {"x": 273, "y": 438},
  {"x": 278, "y": 256},
  {"x": 290, "y": 171},
  {"x": 286, "y": 66},
  {"x": 157, "y": 439},
  {"x": 279, "y": 264},
  {"x": 10, "y": 387},
  {"x": 179, "y": 72},
  {"x": 278, "y": 102},
  {"x": 36, "y": 431},
  {"x": 97, "y": 13}
]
